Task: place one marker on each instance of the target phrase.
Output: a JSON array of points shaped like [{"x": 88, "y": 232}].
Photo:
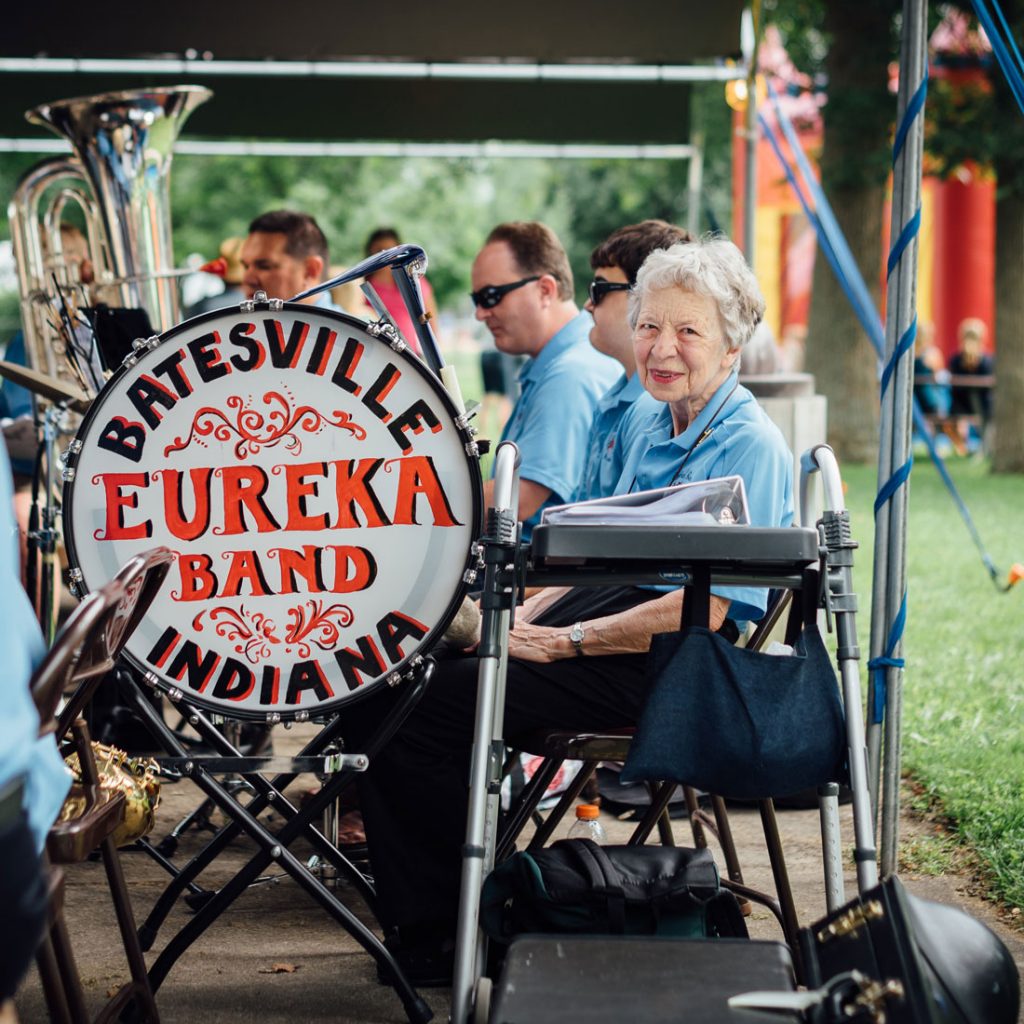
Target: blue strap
[
  {"x": 906, "y": 343},
  {"x": 894, "y": 483},
  {"x": 914, "y": 107}
]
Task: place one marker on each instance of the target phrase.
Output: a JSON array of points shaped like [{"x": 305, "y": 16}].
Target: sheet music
[{"x": 718, "y": 502}]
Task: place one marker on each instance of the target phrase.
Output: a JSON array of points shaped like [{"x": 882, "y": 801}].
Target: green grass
[{"x": 963, "y": 735}]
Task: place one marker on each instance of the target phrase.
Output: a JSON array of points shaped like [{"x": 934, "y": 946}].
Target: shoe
[{"x": 428, "y": 965}]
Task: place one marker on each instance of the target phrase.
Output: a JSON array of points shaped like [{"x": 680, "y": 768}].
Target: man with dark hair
[
  {"x": 616, "y": 262},
  {"x": 523, "y": 292},
  {"x": 285, "y": 253}
]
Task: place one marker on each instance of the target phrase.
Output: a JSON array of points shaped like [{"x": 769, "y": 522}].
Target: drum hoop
[{"x": 329, "y": 708}]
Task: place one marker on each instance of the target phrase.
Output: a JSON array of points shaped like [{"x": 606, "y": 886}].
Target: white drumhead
[{"x": 316, "y": 489}]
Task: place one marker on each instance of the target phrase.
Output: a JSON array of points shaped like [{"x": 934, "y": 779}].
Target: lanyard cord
[{"x": 704, "y": 434}]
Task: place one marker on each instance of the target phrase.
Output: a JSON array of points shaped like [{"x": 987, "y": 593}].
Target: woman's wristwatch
[{"x": 576, "y": 635}]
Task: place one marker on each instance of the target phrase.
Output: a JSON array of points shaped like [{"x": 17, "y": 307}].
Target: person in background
[
  {"x": 615, "y": 263},
  {"x": 285, "y": 253},
  {"x": 33, "y": 779},
  {"x": 232, "y": 295},
  {"x": 971, "y": 360},
  {"x": 384, "y": 285},
  {"x": 931, "y": 381},
  {"x": 523, "y": 293}
]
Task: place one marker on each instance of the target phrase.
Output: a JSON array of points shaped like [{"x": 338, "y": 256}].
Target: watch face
[{"x": 576, "y": 634}]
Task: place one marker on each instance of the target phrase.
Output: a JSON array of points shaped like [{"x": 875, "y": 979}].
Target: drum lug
[
  {"x": 469, "y": 576},
  {"x": 141, "y": 345},
  {"x": 75, "y": 580},
  {"x": 273, "y": 717},
  {"x": 71, "y": 451},
  {"x": 175, "y": 694},
  {"x": 275, "y": 305},
  {"x": 301, "y": 716},
  {"x": 472, "y": 449},
  {"x": 393, "y": 678},
  {"x": 68, "y": 474},
  {"x": 386, "y": 331}
]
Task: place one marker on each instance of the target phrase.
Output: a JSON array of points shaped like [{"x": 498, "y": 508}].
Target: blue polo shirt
[
  {"x": 743, "y": 442},
  {"x": 22, "y": 754},
  {"x": 560, "y": 388},
  {"x": 624, "y": 404}
]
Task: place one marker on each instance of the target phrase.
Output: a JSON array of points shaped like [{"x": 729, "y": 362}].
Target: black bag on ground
[
  {"x": 576, "y": 886},
  {"x": 924, "y": 962}
]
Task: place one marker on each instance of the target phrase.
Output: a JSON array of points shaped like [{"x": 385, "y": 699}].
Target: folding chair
[{"x": 83, "y": 652}]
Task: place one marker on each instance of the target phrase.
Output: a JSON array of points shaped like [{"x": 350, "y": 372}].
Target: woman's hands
[{"x": 539, "y": 643}]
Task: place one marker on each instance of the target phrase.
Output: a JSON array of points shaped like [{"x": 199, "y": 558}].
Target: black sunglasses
[
  {"x": 491, "y": 294},
  {"x": 599, "y": 289}
]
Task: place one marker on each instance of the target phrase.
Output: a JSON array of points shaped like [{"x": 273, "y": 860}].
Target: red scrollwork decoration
[
  {"x": 256, "y": 430},
  {"x": 312, "y": 623},
  {"x": 253, "y": 633}
]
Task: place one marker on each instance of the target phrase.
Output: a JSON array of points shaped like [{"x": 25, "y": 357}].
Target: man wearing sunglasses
[
  {"x": 616, "y": 262},
  {"x": 523, "y": 292}
]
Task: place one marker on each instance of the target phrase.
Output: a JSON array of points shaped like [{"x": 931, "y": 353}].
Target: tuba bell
[{"x": 119, "y": 176}]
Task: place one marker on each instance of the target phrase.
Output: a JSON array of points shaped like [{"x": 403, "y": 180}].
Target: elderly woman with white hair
[{"x": 693, "y": 309}]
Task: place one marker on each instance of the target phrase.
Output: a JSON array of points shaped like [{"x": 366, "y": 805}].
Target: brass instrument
[
  {"x": 118, "y": 176},
  {"x": 136, "y": 777}
]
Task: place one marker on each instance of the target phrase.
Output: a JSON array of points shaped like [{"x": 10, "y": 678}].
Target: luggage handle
[{"x": 604, "y": 880}]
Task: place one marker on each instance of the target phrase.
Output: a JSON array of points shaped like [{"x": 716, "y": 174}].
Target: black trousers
[{"x": 414, "y": 797}]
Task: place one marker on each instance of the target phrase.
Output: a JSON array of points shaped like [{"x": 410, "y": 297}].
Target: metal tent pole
[{"x": 889, "y": 586}]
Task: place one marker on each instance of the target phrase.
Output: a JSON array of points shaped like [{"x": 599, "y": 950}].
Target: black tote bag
[{"x": 739, "y": 723}]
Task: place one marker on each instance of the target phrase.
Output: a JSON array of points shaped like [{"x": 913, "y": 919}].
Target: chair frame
[{"x": 83, "y": 652}]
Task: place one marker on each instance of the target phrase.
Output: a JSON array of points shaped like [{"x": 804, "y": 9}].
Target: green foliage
[
  {"x": 963, "y": 698},
  {"x": 446, "y": 205}
]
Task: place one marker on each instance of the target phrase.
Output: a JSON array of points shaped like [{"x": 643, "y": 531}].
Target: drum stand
[
  {"x": 273, "y": 847},
  {"x": 41, "y": 541}
]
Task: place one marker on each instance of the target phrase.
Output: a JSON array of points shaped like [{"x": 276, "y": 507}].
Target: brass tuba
[{"x": 119, "y": 176}]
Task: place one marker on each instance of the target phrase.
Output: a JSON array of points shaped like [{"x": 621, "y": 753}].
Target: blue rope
[
  {"x": 914, "y": 107},
  {"x": 1011, "y": 70},
  {"x": 907, "y": 235},
  {"x": 906, "y": 343},
  {"x": 877, "y": 666},
  {"x": 869, "y": 319},
  {"x": 893, "y": 484},
  {"x": 850, "y": 278}
]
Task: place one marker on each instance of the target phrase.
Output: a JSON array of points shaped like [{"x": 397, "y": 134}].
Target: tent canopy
[{"x": 404, "y": 98}]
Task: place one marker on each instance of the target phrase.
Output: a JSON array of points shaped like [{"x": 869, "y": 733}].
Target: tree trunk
[
  {"x": 1008, "y": 418},
  {"x": 854, "y": 171},
  {"x": 843, "y": 361}
]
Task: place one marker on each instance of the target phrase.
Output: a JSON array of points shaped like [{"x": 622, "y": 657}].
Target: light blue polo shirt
[
  {"x": 743, "y": 442},
  {"x": 625, "y": 403},
  {"x": 22, "y": 754},
  {"x": 560, "y": 389}
]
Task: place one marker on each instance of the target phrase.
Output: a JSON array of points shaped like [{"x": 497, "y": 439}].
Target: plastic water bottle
[{"x": 587, "y": 825}]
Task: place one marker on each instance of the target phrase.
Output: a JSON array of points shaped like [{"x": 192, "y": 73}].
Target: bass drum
[{"x": 319, "y": 490}]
